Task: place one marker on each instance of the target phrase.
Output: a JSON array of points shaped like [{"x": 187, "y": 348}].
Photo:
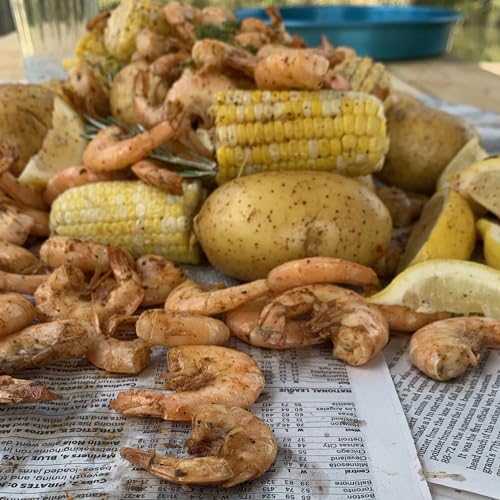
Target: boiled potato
[
  {"x": 423, "y": 140},
  {"x": 25, "y": 119},
  {"x": 253, "y": 223}
]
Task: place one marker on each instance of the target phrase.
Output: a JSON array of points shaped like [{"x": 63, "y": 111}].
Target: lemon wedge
[
  {"x": 490, "y": 232},
  {"x": 481, "y": 182},
  {"x": 471, "y": 152},
  {"x": 455, "y": 286},
  {"x": 62, "y": 147},
  {"x": 445, "y": 230}
]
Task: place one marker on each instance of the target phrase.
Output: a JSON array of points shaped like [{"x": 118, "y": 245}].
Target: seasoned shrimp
[
  {"x": 61, "y": 295},
  {"x": 75, "y": 176},
  {"x": 231, "y": 446},
  {"x": 85, "y": 91},
  {"x": 16, "y": 313},
  {"x": 109, "y": 150},
  {"x": 310, "y": 315},
  {"x": 161, "y": 177},
  {"x": 404, "y": 319},
  {"x": 16, "y": 259},
  {"x": 182, "y": 19},
  {"x": 295, "y": 69},
  {"x": 199, "y": 375},
  {"x": 251, "y": 39},
  {"x": 320, "y": 270},
  {"x": 159, "y": 276},
  {"x": 44, "y": 344},
  {"x": 18, "y": 391},
  {"x": 21, "y": 283},
  {"x": 445, "y": 349},
  {"x": 151, "y": 45},
  {"x": 40, "y": 220},
  {"x": 88, "y": 256},
  {"x": 168, "y": 66},
  {"x": 403, "y": 206},
  {"x": 15, "y": 227},
  {"x": 21, "y": 194},
  {"x": 159, "y": 327},
  {"x": 189, "y": 297}
]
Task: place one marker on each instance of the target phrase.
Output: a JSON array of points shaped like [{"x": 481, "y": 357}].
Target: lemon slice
[
  {"x": 62, "y": 147},
  {"x": 469, "y": 154},
  {"x": 481, "y": 182},
  {"x": 445, "y": 230},
  {"x": 490, "y": 232},
  {"x": 455, "y": 286}
]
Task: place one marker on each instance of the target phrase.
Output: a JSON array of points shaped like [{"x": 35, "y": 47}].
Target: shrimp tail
[{"x": 13, "y": 391}]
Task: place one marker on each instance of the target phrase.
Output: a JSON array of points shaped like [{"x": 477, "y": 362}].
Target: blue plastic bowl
[{"x": 384, "y": 32}]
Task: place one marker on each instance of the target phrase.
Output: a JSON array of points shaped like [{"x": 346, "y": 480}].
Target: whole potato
[
  {"x": 254, "y": 223},
  {"x": 423, "y": 140}
]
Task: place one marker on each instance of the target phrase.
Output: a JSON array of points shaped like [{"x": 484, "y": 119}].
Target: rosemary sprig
[{"x": 194, "y": 167}]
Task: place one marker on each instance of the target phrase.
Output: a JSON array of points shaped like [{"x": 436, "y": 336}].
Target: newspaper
[
  {"x": 455, "y": 425},
  {"x": 341, "y": 434}
]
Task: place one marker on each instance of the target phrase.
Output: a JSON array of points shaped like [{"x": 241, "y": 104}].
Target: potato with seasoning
[{"x": 254, "y": 223}]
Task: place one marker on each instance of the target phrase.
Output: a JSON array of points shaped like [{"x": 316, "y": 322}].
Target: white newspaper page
[
  {"x": 455, "y": 425},
  {"x": 341, "y": 434}
]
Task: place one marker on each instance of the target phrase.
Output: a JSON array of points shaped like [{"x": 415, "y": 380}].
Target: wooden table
[{"x": 445, "y": 78}]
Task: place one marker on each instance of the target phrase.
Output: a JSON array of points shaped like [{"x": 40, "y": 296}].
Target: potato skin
[
  {"x": 254, "y": 223},
  {"x": 423, "y": 140}
]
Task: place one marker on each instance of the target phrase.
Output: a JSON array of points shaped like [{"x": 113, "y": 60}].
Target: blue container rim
[{"x": 436, "y": 15}]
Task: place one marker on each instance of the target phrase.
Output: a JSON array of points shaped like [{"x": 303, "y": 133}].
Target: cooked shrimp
[
  {"x": 61, "y": 295},
  {"x": 294, "y": 69},
  {"x": 16, "y": 259},
  {"x": 161, "y": 177},
  {"x": 118, "y": 356},
  {"x": 18, "y": 391},
  {"x": 110, "y": 151},
  {"x": 169, "y": 66},
  {"x": 189, "y": 297},
  {"x": 445, "y": 349},
  {"x": 15, "y": 227},
  {"x": 40, "y": 220},
  {"x": 76, "y": 176},
  {"x": 44, "y": 344},
  {"x": 404, "y": 319},
  {"x": 85, "y": 91},
  {"x": 21, "y": 194},
  {"x": 216, "y": 15},
  {"x": 255, "y": 25},
  {"x": 199, "y": 374},
  {"x": 310, "y": 315},
  {"x": 21, "y": 283},
  {"x": 89, "y": 256},
  {"x": 403, "y": 206},
  {"x": 159, "y": 276},
  {"x": 16, "y": 313},
  {"x": 182, "y": 19},
  {"x": 158, "y": 327},
  {"x": 251, "y": 39},
  {"x": 151, "y": 45},
  {"x": 232, "y": 446},
  {"x": 320, "y": 270}
]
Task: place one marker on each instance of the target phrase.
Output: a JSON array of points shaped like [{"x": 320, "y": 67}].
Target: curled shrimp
[
  {"x": 162, "y": 178},
  {"x": 189, "y": 297},
  {"x": 75, "y": 176},
  {"x": 182, "y": 18},
  {"x": 311, "y": 314},
  {"x": 110, "y": 151},
  {"x": 19, "y": 391},
  {"x": 151, "y": 45},
  {"x": 253, "y": 39},
  {"x": 404, "y": 319},
  {"x": 62, "y": 296},
  {"x": 199, "y": 374},
  {"x": 158, "y": 327},
  {"x": 320, "y": 270},
  {"x": 159, "y": 276},
  {"x": 86, "y": 255},
  {"x": 21, "y": 283},
  {"x": 16, "y": 313},
  {"x": 16, "y": 259},
  {"x": 15, "y": 227},
  {"x": 445, "y": 349},
  {"x": 40, "y": 220},
  {"x": 44, "y": 344},
  {"x": 21, "y": 194},
  {"x": 231, "y": 446}
]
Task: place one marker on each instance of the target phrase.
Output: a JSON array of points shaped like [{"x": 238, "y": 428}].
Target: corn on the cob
[
  {"x": 139, "y": 218},
  {"x": 296, "y": 130}
]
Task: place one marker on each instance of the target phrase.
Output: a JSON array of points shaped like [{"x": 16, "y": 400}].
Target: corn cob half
[
  {"x": 132, "y": 215},
  {"x": 326, "y": 130}
]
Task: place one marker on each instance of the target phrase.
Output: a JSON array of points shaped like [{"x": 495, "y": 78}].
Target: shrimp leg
[{"x": 15, "y": 391}]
